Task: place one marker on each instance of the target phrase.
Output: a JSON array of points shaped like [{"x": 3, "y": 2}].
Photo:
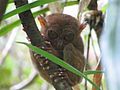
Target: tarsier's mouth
[{"x": 59, "y": 48}]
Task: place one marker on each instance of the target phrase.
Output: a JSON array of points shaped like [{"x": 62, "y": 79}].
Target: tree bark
[{"x": 29, "y": 24}]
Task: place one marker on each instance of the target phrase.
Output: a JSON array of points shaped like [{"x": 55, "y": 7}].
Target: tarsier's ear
[
  {"x": 43, "y": 24},
  {"x": 82, "y": 26}
]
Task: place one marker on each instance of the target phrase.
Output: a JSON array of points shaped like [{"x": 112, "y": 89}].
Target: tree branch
[
  {"x": 29, "y": 24},
  {"x": 3, "y": 5}
]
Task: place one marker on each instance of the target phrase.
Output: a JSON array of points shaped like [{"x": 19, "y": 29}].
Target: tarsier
[{"x": 61, "y": 34}]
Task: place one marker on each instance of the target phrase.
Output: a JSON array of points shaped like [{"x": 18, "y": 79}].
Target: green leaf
[
  {"x": 26, "y": 7},
  {"x": 9, "y": 27},
  {"x": 60, "y": 62},
  {"x": 10, "y": 1},
  {"x": 92, "y": 72},
  {"x": 70, "y": 3}
]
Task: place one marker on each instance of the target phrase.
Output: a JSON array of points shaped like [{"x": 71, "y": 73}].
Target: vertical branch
[
  {"x": 3, "y": 5},
  {"x": 29, "y": 24}
]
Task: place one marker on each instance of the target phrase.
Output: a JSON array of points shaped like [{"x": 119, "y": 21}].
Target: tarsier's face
[
  {"x": 61, "y": 30},
  {"x": 59, "y": 37}
]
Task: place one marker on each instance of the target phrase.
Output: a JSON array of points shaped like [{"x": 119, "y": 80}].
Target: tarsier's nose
[{"x": 60, "y": 45}]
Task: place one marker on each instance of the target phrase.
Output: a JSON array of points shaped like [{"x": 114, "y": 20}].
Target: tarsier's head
[{"x": 60, "y": 29}]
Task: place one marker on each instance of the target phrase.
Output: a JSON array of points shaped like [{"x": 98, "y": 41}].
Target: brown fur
[{"x": 66, "y": 44}]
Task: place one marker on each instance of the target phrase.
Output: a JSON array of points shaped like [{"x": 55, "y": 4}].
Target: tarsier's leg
[{"x": 74, "y": 57}]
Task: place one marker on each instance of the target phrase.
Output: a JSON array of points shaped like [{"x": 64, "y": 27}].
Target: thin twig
[
  {"x": 26, "y": 82},
  {"x": 94, "y": 49},
  {"x": 87, "y": 58},
  {"x": 97, "y": 77},
  {"x": 8, "y": 46}
]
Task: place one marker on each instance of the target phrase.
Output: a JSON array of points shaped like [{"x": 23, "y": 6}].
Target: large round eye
[
  {"x": 52, "y": 34},
  {"x": 69, "y": 36}
]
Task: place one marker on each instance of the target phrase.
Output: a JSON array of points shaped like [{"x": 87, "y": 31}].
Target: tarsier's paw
[
  {"x": 92, "y": 17},
  {"x": 95, "y": 20}
]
